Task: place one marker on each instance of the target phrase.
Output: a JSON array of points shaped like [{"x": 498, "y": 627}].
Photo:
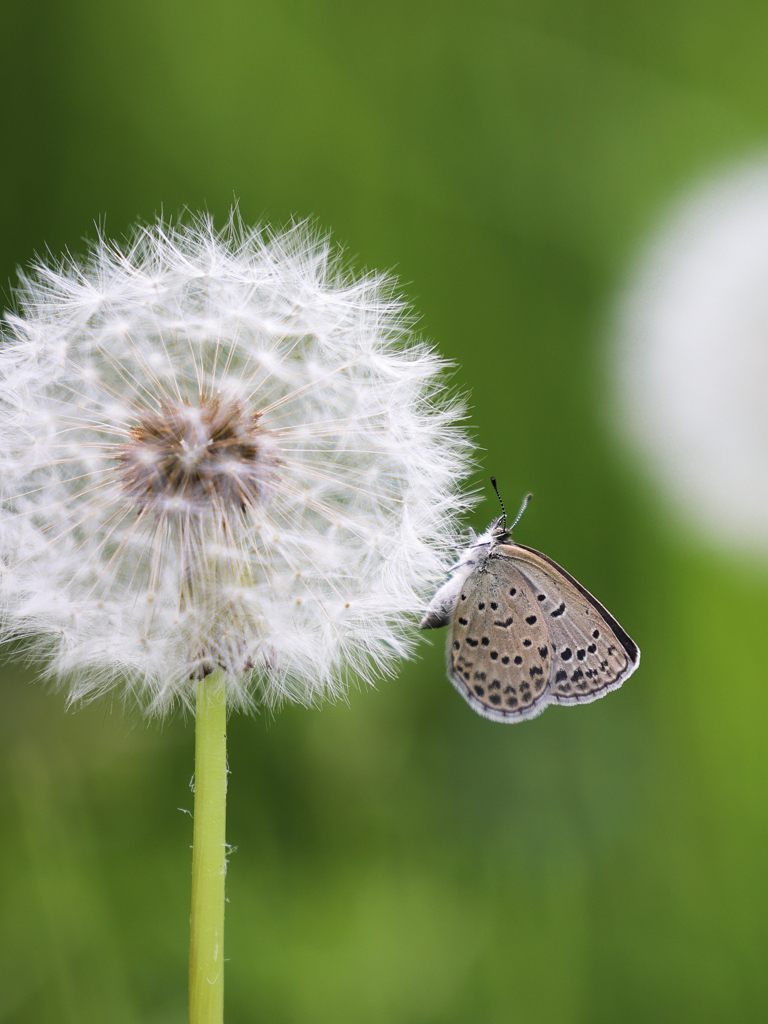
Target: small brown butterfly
[{"x": 524, "y": 633}]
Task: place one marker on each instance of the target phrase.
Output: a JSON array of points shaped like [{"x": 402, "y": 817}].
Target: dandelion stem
[{"x": 206, "y": 947}]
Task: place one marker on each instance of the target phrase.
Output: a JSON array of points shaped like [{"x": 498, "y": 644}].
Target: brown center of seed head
[{"x": 210, "y": 457}]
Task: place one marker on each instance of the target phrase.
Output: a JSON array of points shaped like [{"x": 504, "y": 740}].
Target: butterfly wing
[
  {"x": 591, "y": 653},
  {"x": 499, "y": 656}
]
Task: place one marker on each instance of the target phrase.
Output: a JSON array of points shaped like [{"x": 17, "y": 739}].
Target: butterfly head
[
  {"x": 481, "y": 543},
  {"x": 498, "y": 530}
]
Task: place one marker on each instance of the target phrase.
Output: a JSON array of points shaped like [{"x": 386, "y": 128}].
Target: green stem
[{"x": 206, "y": 946}]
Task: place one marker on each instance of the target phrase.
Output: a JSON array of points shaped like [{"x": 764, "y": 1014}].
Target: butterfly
[{"x": 523, "y": 632}]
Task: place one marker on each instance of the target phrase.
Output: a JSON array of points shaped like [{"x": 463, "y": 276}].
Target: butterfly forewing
[
  {"x": 499, "y": 651},
  {"x": 591, "y": 653}
]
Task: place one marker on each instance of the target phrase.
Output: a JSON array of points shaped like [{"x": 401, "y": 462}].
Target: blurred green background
[{"x": 400, "y": 860}]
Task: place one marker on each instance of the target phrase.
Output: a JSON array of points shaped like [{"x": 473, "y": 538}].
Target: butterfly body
[{"x": 524, "y": 633}]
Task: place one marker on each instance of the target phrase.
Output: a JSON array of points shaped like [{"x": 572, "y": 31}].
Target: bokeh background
[{"x": 398, "y": 859}]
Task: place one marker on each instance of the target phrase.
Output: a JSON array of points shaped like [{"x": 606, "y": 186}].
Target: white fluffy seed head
[
  {"x": 691, "y": 357},
  {"x": 218, "y": 450}
]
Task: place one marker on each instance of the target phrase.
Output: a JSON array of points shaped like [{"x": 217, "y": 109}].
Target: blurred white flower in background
[
  {"x": 693, "y": 357},
  {"x": 218, "y": 450}
]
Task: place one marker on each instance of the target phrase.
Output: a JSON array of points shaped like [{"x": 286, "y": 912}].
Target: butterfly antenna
[
  {"x": 503, "y": 510},
  {"x": 519, "y": 515}
]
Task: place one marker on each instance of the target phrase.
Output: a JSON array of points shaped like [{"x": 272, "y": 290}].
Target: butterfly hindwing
[{"x": 499, "y": 655}]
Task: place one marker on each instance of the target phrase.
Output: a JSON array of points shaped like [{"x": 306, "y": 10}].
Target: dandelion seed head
[
  {"x": 691, "y": 357},
  {"x": 220, "y": 450}
]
